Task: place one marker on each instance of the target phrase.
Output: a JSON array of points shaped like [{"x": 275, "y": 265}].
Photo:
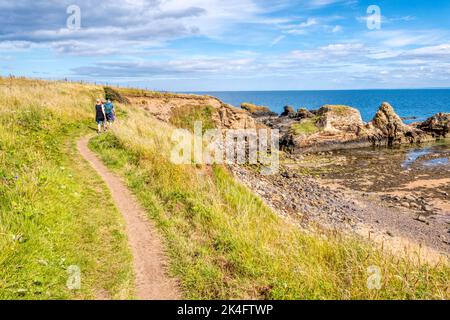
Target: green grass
[
  {"x": 224, "y": 243},
  {"x": 340, "y": 110},
  {"x": 306, "y": 127},
  {"x": 185, "y": 117},
  {"x": 54, "y": 210}
]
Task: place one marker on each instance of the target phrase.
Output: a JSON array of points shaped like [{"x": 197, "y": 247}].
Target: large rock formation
[
  {"x": 335, "y": 127},
  {"x": 387, "y": 128},
  {"x": 229, "y": 117},
  {"x": 438, "y": 125},
  {"x": 258, "y": 111},
  {"x": 331, "y": 127},
  {"x": 339, "y": 118}
]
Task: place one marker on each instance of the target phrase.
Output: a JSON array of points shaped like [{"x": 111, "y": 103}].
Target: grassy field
[
  {"x": 222, "y": 241},
  {"x": 225, "y": 243},
  {"x": 54, "y": 211}
]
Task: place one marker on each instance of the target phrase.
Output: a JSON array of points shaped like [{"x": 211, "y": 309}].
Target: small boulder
[
  {"x": 405, "y": 204},
  {"x": 409, "y": 198},
  {"x": 422, "y": 219},
  {"x": 303, "y": 113},
  {"x": 288, "y": 112}
]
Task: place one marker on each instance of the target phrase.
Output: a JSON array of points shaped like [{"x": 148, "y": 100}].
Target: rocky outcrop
[
  {"x": 438, "y": 126},
  {"x": 258, "y": 111},
  {"x": 339, "y": 118},
  {"x": 303, "y": 113},
  {"x": 331, "y": 127},
  {"x": 229, "y": 117},
  {"x": 388, "y": 128},
  {"x": 335, "y": 127},
  {"x": 288, "y": 112}
]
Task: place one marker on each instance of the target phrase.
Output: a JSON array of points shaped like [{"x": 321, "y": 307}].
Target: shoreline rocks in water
[
  {"x": 335, "y": 127},
  {"x": 258, "y": 111},
  {"x": 288, "y": 112},
  {"x": 438, "y": 125}
]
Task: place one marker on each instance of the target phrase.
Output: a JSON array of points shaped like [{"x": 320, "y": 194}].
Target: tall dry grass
[{"x": 225, "y": 243}]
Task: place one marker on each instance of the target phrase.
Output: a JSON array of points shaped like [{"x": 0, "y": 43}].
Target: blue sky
[{"x": 208, "y": 45}]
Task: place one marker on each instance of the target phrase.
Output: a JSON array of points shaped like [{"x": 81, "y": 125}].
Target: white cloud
[
  {"x": 323, "y": 3},
  {"x": 310, "y": 22},
  {"x": 133, "y": 32},
  {"x": 178, "y": 67},
  {"x": 337, "y": 29},
  {"x": 16, "y": 45},
  {"x": 277, "y": 40},
  {"x": 403, "y": 38},
  {"x": 388, "y": 20},
  {"x": 125, "y": 25},
  {"x": 300, "y": 28},
  {"x": 431, "y": 51}
]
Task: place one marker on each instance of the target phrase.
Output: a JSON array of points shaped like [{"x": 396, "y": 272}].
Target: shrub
[{"x": 113, "y": 95}]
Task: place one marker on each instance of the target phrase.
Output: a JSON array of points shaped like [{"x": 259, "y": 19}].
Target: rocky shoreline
[
  {"x": 335, "y": 127},
  {"x": 388, "y": 213},
  {"x": 313, "y": 206},
  {"x": 319, "y": 188}
]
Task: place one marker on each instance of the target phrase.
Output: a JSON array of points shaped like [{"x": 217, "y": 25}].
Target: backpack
[{"x": 109, "y": 108}]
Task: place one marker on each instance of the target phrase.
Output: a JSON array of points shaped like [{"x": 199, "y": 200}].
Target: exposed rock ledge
[
  {"x": 335, "y": 127},
  {"x": 161, "y": 106}
]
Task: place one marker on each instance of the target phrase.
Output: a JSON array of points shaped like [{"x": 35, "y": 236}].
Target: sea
[{"x": 418, "y": 103}]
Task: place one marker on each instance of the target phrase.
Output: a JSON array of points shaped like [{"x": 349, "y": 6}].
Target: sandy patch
[{"x": 426, "y": 183}]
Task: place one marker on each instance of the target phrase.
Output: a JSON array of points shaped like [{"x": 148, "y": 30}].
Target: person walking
[
  {"x": 100, "y": 116},
  {"x": 110, "y": 113}
]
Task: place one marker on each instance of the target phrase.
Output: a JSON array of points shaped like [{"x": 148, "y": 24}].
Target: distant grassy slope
[
  {"x": 54, "y": 211},
  {"x": 225, "y": 243}
]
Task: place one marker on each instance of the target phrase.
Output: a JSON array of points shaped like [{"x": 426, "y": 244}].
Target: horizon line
[
  {"x": 293, "y": 90},
  {"x": 101, "y": 83}
]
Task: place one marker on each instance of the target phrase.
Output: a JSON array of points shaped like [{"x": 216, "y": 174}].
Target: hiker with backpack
[{"x": 110, "y": 112}]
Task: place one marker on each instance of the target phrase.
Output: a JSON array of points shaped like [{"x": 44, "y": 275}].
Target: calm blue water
[{"x": 407, "y": 103}]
